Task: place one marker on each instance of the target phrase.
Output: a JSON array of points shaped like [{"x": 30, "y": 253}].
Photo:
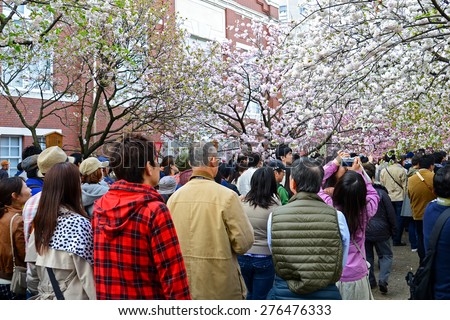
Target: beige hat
[
  {"x": 91, "y": 164},
  {"x": 4, "y": 162},
  {"x": 49, "y": 157}
]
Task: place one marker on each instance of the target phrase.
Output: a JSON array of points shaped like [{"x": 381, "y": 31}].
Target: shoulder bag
[
  {"x": 19, "y": 278},
  {"x": 423, "y": 180},
  {"x": 394, "y": 179},
  {"x": 368, "y": 269},
  {"x": 59, "y": 295},
  {"x": 421, "y": 284},
  {"x": 406, "y": 206}
]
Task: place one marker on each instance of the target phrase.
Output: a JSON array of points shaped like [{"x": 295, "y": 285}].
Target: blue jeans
[
  {"x": 385, "y": 256},
  {"x": 400, "y": 226},
  {"x": 258, "y": 274},
  {"x": 281, "y": 291},
  {"x": 412, "y": 234}
]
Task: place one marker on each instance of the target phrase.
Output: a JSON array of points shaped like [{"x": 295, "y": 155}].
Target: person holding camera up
[{"x": 353, "y": 195}]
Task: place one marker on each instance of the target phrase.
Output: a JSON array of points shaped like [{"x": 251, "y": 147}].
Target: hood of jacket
[
  {"x": 91, "y": 192},
  {"x": 123, "y": 202}
]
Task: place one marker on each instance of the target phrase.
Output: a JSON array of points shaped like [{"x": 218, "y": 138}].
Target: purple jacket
[{"x": 356, "y": 267}]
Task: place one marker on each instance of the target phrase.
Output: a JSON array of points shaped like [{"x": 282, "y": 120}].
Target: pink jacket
[{"x": 356, "y": 267}]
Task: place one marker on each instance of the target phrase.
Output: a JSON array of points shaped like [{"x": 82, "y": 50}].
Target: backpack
[{"x": 421, "y": 284}]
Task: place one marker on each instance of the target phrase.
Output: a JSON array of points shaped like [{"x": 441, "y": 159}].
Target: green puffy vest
[{"x": 306, "y": 243}]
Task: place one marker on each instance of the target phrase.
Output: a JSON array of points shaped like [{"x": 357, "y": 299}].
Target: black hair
[
  {"x": 78, "y": 158},
  {"x": 441, "y": 182},
  {"x": 30, "y": 150},
  {"x": 253, "y": 159},
  {"x": 129, "y": 156},
  {"x": 426, "y": 162},
  {"x": 167, "y": 161},
  {"x": 415, "y": 160},
  {"x": 263, "y": 188},
  {"x": 226, "y": 171},
  {"x": 438, "y": 157},
  {"x": 349, "y": 196},
  {"x": 9, "y": 186},
  {"x": 282, "y": 150},
  {"x": 370, "y": 169},
  {"x": 389, "y": 156}
]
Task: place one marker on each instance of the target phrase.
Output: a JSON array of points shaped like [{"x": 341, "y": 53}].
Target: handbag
[
  {"x": 19, "y": 278},
  {"x": 406, "y": 207}
]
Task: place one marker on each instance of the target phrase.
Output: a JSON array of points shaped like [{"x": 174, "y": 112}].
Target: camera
[{"x": 347, "y": 162}]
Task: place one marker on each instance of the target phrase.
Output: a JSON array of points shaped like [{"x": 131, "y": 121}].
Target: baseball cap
[
  {"x": 4, "y": 162},
  {"x": 51, "y": 156},
  {"x": 91, "y": 164},
  {"x": 102, "y": 158},
  {"x": 277, "y": 165}
]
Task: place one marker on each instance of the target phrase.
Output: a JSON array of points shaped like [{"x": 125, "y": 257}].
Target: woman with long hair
[
  {"x": 357, "y": 199},
  {"x": 61, "y": 245},
  {"x": 256, "y": 265},
  {"x": 13, "y": 195}
]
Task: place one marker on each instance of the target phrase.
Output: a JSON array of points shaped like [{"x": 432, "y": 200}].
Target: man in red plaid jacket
[{"x": 136, "y": 250}]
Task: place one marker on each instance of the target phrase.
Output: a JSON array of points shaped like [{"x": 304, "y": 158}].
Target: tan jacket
[
  {"x": 212, "y": 229},
  {"x": 419, "y": 192},
  {"x": 6, "y": 261},
  {"x": 392, "y": 184},
  {"x": 74, "y": 274}
]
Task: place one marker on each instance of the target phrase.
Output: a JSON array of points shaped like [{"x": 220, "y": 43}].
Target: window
[
  {"x": 31, "y": 75},
  {"x": 254, "y": 111},
  {"x": 302, "y": 10},
  {"x": 41, "y": 141},
  {"x": 28, "y": 77},
  {"x": 11, "y": 150},
  {"x": 194, "y": 41}
]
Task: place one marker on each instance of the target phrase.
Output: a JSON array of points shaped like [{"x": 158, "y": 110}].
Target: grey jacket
[{"x": 90, "y": 193}]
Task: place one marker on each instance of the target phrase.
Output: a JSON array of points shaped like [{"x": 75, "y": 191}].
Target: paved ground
[{"x": 404, "y": 261}]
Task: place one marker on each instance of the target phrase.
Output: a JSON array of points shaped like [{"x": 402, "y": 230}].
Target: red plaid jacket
[{"x": 136, "y": 250}]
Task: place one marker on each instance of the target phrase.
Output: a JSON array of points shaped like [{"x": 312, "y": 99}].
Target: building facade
[{"x": 291, "y": 10}]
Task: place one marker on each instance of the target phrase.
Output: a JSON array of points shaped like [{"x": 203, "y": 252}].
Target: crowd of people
[{"x": 132, "y": 225}]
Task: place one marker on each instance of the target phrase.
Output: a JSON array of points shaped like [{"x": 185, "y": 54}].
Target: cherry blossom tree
[
  {"x": 367, "y": 76},
  {"x": 269, "y": 88},
  {"x": 393, "y": 55},
  {"x": 118, "y": 66}
]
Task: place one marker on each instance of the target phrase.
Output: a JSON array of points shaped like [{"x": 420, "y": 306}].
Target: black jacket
[{"x": 382, "y": 225}]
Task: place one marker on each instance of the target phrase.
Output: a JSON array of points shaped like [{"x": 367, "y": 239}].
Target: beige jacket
[
  {"x": 397, "y": 184},
  {"x": 74, "y": 274},
  {"x": 212, "y": 229}
]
